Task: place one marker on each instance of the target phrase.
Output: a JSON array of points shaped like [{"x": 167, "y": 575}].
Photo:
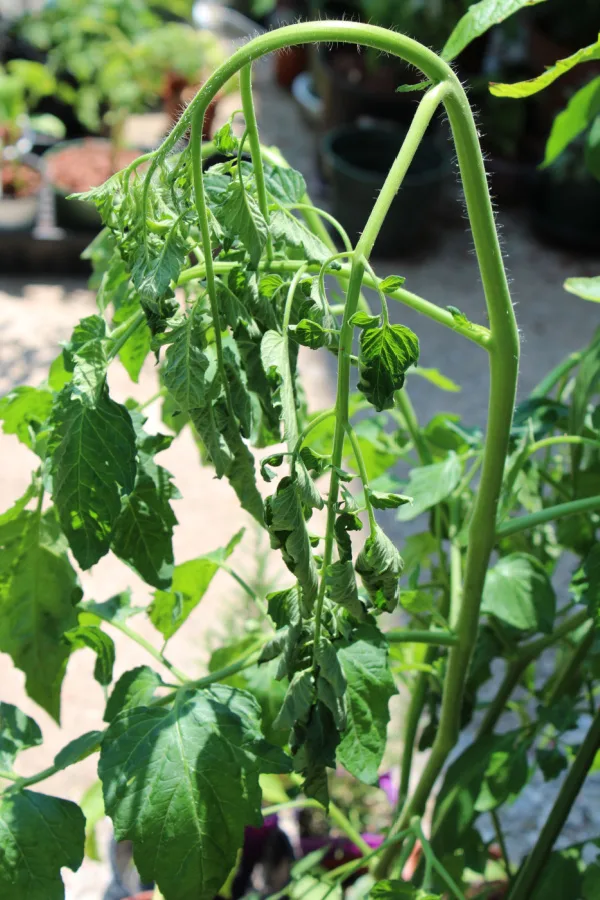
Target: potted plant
[
  {"x": 214, "y": 273},
  {"x": 95, "y": 44},
  {"x": 22, "y": 84}
]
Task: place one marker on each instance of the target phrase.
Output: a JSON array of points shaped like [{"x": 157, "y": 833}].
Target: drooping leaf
[
  {"x": 518, "y": 592},
  {"x": 430, "y": 485},
  {"x": 364, "y": 661},
  {"x": 134, "y": 688},
  {"x": 285, "y": 521},
  {"x": 586, "y": 288},
  {"x": 38, "y": 593},
  {"x": 78, "y": 749},
  {"x": 362, "y": 319},
  {"x": 342, "y": 589},
  {"x": 385, "y": 355},
  {"x": 309, "y": 334},
  {"x": 274, "y": 353},
  {"x": 102, "y": 645},
  {"x": 386, "y": 500},
  {"x": 297, "y": 702},
  {"x": 478, "y": 18},
  {"x": 313, "y": 746},
  {"x": 25, "y": 408},
  {"x": 17, "y": 732},
  {"x": 94, "y": 459},
  {"x": 533, "y": 85},
  {"x": 86, "y": 358},
  {"x": 191, "y": 580},
  {"x": 117, "y": 608},
  {"x": 592, "y": 148},
  {"x": 186, "y": 364},
  {"x": 581, "y": 109},
  {"x": 329, "y": 666},
  {"x": 285, "y": 184},
  {"x": 182, "y": 784},
  {"x": 143, "y": 533},
  {"x": 284, "y": 607},
  {"x": 38, "y": 836},
  {"x": 156, "y": 266},
  {"x": 380, "y": 565},
  {"x": 286, "y": 228},
  {"x": 242, "y": 472},
  {"x": 240, "y": 216}
]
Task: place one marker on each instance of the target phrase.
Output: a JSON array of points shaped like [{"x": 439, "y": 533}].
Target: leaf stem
[
  {"x": 434, "y": 861},
  {"x": 362, "y": 470},
  {"x": 290, "y": 416},
  {"x": 550, "y": 514},
  {"x": 255, "y": 152},
  {"x": 407, "y": 411},
  {"x": 258, "y": 601},
  {"x": 304, "y": 207},
  {"x": 534, "y": 864},
  {"x": 146, "y": 645},
  {"x": 408, "y": 636},
  {"x": 121, "y": 335},
  {"x": 501, "y": 842},
  {"x": 9, "y": 776}
]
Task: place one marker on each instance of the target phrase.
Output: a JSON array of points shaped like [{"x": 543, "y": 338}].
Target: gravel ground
[{"x": 34, "y": 317}]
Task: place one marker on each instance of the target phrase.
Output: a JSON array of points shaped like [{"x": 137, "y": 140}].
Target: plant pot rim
[{"x": 432, "y": 173}]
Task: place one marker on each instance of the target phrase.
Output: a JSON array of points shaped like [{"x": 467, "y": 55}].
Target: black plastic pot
[
  {"x": 567, "y": 212},
  {"x": 357, "y": 160}
]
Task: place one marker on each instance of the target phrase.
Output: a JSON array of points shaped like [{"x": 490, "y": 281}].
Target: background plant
[{"x": 182, "y": 759}]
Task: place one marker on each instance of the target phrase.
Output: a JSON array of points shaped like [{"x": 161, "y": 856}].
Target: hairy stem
[{"x": 362, "y": 471}]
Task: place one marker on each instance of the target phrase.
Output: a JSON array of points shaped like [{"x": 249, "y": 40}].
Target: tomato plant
[{"x": 181, "y": 761}]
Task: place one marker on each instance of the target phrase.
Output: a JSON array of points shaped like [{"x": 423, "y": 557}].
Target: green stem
[
  {"x": 289, "y": 416},
  {"x": 434, "y": 862},
  {"x": 455, "y": 565},
  {"x": 553, "y": 377},
  {"x": 258, "y": 601},
  {"x": 201, "y": 208},
  {"x": 550, "y": 514},
  {"x": 572, "y": 664},
  {"x": 362, "y": 470},
  {"x": 305, "y": 207},
  {"x": 147, "y": 646},
  {"x": 561, "y": 439},
  {"x": 406, "y": 408},
  {"x": 408, "y": 636},
  {"x": 121, "y": 335},
  {"x": 536, "y": 861},
  {"x": 504, "y": 356},
  {"x": 501, "y": 842},
  {"x": 321, "y": 417},
  {"x": 345, "y": 825},
  {"x": 255, "y": 150},
  {"x": 9, "y": 776},
  {"x": 411, "y": 726}
]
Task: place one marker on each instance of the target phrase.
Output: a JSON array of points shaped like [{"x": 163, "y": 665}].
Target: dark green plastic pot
[
  {"x": 356, "y": 161},
  {"x": 567, "y": 212}
]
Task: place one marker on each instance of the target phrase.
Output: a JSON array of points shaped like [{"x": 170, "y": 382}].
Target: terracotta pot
[
  {"x": 76, "y": 166},
  {"x": 290, "y": 63},
  {"x": 143, "y": 895},
  {"x": 19, "y": 200}
]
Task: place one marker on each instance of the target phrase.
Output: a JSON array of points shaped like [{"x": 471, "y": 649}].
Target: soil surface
[
  {"x": 85, "y": 165},
  {"x": 19, "y": 180}
]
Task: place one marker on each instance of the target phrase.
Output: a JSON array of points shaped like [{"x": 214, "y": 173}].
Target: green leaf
[
  {"x": 92, "y": 806},
  {"x": 286, "y": 228},
  {"x": 380, "y": 565},
  {"x": 364, "y": 320},
  {"x": 225, "y": 140},
  {"x": 38, "y": 593},
  {"x": 274, "y": 354},
  {"x": 533, "y": 85},
  {"x": 242, "y": 472},
  {"x": 583, "y": 106},
  {"x": 117, "y": 608},
  {"x": 134, "y": 688},
  {"x": 182, "y": 784},
  {"x": 285, "y": 521},
  {"x": 24, "y": 409},
  {"x": 153, "y": 272},
  {"x": 186, "y": 365},
  {"x": 191, "y": 580},
  {"x": 341, "y": 586},
  {"x": 391, "y": 283},
  {"x": 143, "y": 533},
  {"x": 329, "y": 666},
  {"x": 399, "y": 890},
  {"x": 136, "y": 348},
  {"x": 94, "y": 455},
  {"x": 434, "y": 376},
  {"x": 285, "y": 184},
  {"x": 297, "y": 702},
  {"x": 240, "y": 216},
  {"x": 385, "y": 355},
  {"x": 309, "y": 334},
  {"x": 384, "y": 500},
  {"x": 430, "y": 485},
  {"x": 586, "y": 288},
  {"x": 364, "y": 661},
  {"x": 478, "y": 18},
  {"x": 551, "y": 762},
  {"x": 592, "y": 148},
  {"x": 284, "y": 607},
  {"x": 101, "y": 643},
  {"x": 79, "y": 748},
  {"x": 591, "y": 882},
  {"x": 39, "y": 835},
  {"x": 17, "y": 732},
  {"x": 85, "y": 356},
  {"x": 518, "y": 592}
]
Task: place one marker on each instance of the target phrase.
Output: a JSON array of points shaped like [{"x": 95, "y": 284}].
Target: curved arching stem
[{"x": 503, "y": 346}]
